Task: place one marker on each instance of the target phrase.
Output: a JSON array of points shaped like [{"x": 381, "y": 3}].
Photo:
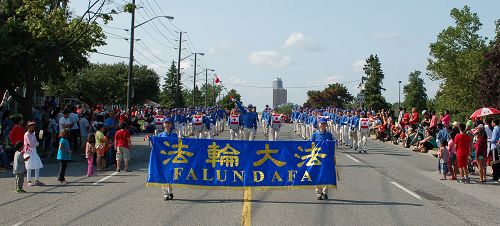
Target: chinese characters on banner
[{"x": 224, "y": 164}]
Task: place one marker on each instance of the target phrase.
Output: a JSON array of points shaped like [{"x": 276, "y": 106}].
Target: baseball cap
[{"x": 322, "y": 120}]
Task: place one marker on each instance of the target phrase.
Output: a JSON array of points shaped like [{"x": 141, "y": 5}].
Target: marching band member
[
  {"x": 364, "y": 132},
  {"x": 250, "y": 118},
  {"x": 275, "y": 122},
  {"x": 168, "y": 132},
  {"x": 353, "y": 131}
]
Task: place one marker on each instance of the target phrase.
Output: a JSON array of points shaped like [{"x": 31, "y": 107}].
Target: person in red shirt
[
  {"x": 123, "y": 145},
  {"x": 414, "y": 116},
  {"x": 406, "y": 118},
  {"x": 463, "y": 144},
  {"x": 17, "y": 132}
]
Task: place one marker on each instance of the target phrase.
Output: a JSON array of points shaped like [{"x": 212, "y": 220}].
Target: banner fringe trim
[{"x": 240, "y": 188}]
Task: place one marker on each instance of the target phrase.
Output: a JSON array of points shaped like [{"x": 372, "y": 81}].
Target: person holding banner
[
  {"x": 322, "y": 135},
  {"x": 168, "y": 132}
]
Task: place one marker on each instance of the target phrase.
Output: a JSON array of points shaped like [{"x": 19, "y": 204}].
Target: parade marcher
[
  {"x": 322, "y": 135},
  {"x": 158, "y": 119},
  {"x": 34, "y": 162},
  {"x": 353, "y": 130},
  {"x": 180, "y": 123},
  {"x": 363, "y": 133},
  {"x": 197, "y": 125},
  {"x": 168, "y": 132},
  {"x": 345, "y": 128},
  {"x": 275, "y": 122},
  {"x": 250, "y": 120},
  {"x": 234, "y": 124}
]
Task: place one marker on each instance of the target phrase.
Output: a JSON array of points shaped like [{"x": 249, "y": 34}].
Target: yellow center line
[{"x": 246, "y": 211}]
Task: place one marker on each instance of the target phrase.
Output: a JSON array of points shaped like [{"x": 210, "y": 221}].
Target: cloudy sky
[{"x": 308, "y": 44}]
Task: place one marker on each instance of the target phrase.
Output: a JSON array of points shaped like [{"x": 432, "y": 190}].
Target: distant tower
[{"x": 279, "y": 93}]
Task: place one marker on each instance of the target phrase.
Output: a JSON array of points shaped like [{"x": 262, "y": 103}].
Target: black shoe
[
  {"x": 171, "y": 196},
  {"x": 319, "y": 197},
  {"x": 364, "y": 151},
  {"x": 166, "y": 198},
  {"x": 325, "y": 197}
]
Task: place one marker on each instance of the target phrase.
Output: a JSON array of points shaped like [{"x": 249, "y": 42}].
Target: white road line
[
  {"x": 407, "y": 190},
  {"x": 352, "y": 158},
  {"x": 18, "y": 223},
  {"x": 105, "y": 178}
]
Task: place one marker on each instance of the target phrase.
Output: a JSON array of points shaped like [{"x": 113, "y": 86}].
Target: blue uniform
[
  {"x": 321, "y": 136},
  {"x": 172, "y": 134},
  {"x": 249, "y": 118}
]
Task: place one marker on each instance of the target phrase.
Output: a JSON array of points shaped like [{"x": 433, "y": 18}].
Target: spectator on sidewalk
[
  {"x": 84, "y": 129},
  {"x": 414, "y": 116},
  {"x": 30, "y": 149},
  {"x": 443, "y": 156},
  {"x": 18, "y": 167},
  {"x": 17, "y": 132},
  {"x": 89, "y": 154},
  {"x": 463, "y": 147},
  {"x": 481, "y": 151},
  {"x": 123, "y": 145},
  {"x": 75, "y": 128},
  {"x": 445, "y": 118},
  {"x": 100, "y": 146},
  {"x": 453, "y": 168},
  {"x": 63, "y": 155}
]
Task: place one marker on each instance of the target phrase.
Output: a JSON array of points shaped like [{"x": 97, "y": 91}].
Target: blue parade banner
[{"x": 225, "y": 164}]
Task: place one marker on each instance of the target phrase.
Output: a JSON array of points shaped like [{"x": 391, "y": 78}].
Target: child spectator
[
  {"x": 89, "y": 154},
  {"x": 481, "y": 151},
  {"x": 443, "y": 158},
  {"x": 100, "y": 146},
  {"x": 18, "y": 167},
  {"x": 453, "y": 155},
  {"x": 64, "y": 155}
]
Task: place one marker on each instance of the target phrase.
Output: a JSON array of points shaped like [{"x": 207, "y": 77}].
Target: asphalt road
[{"x": 387, "y": 186}]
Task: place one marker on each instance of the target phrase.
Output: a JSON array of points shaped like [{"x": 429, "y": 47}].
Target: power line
[
  {"x": 145, "y": 48},
  {"x": 161, "y": 23},
  {"x": 153, "y": 25},
  {"x": 111, "y": 55},
  {"x": 289, "y": 87}
]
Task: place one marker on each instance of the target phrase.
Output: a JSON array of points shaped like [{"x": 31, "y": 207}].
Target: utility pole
[
  {"x": 178, "y": 77},
  {"x": 206, "y": 86},
  {"x": 399, "y": 93},
  {"x": 194, "y": 78},
  {"x": 131, "y": 60}
]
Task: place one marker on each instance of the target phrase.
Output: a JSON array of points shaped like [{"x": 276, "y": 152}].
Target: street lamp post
[
  {"x": 206, "y": 85},
  {"x": 194, "y": 78},
  {"x": 131, "y": 59},
  {"x": 399, "y": 94}
]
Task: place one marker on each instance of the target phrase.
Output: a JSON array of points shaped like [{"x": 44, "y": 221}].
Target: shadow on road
[{"x": 328, "y": 202}]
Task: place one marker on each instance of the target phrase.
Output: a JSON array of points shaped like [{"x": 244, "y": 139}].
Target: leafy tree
[
  {"x": 107, "y": 84},
  {"x": 456, "y": 59},
  {"x": 490, "y": 77},
  {"x": 415, "y": 92},
  {"x": 335, "y": 95},
  {"x": 286, "y": 109},
  {"x": 226, "y": 102},
  {"x": 41, "y": 39},
  {"x": 167, "y": 96},
  {"x": 373, "y": 86}
]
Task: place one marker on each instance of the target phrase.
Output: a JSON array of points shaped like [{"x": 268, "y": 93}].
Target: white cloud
[
  {"x": 298, "y": 39},
  {"x": 385, "y": 35},
  {"x": 269, "y": 58},
  {"x": 334, "y": 79},
  {"x": 358, "y": 65},
  {"x": 225, "y": 47},
  {"x": 185, "y": 64}
]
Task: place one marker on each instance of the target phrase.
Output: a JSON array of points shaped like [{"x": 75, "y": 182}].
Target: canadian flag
[{"x": 217, "y": 80}]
